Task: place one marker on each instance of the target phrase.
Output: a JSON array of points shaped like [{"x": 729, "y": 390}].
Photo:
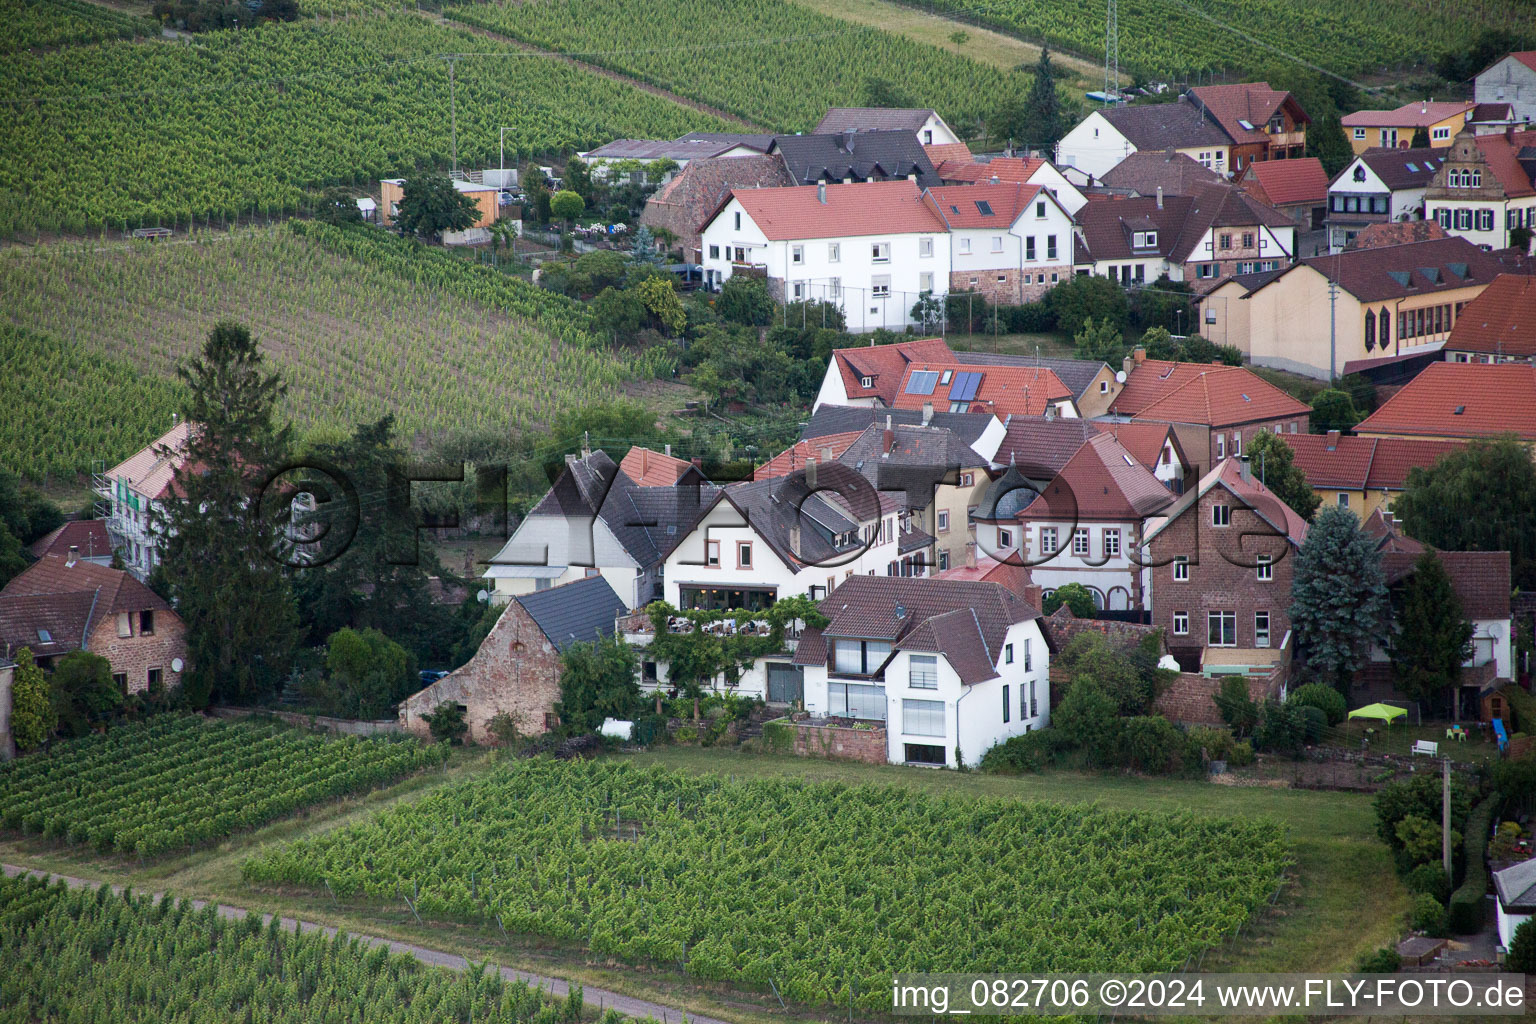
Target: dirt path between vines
[
  {"x": 627, "y": 1005},
  {"x": 654, "y": 90}
]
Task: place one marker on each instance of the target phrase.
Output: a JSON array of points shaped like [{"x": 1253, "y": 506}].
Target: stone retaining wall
[
  {"x": 819, "y": 739},
  {"x": 346, "y": 726}
]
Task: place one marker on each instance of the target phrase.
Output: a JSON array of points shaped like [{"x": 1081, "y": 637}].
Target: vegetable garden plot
[{"x": 820, "y": 890}]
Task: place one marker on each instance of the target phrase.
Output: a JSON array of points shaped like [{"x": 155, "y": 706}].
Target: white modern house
[
  {"x": 131, "y": 495},
  {"x": 1009, "y": 242},
  {"x": 870, "y": 248},
  {"x": 922, "y": 122},
  {"x": 948, "y": 668},
  {"x": 1379, "y": 187},
  {"x": 1105, "y": 137}
]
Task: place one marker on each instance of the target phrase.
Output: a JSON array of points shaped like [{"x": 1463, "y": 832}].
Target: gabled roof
[
  {"x": 957, "y": 636},
  {"x": 1014, "y": 576},
  {"x": 1286, "y": 182},
  {"x": 1383, "y": 527},
  {"x": 118, "y": 589},
  {"x": 823, "y": 449},
  {"x": 1480, "y": 578},
  {"x": 1179, "y": 125},
  {"x": 700, "y": 188},
  {"x": 982, "y": 206},
  {"x": 1512, "y": 160},
  {"x": 1501, "y": 320},
  {"x": 1397, "y": 232},
  {"x": 821, "y": 511},
  {"x": 1145, "y": 171},
  {"x": 1077, "y": 374},
  {"x": 940, "y": 153},
  {"x": 862, "y": 208},
  {"x": 1039, "y": 446},
  {"x": 884, "y": 365},
  {"x": 64, "y": 619},
  {"x": 860, "y": 155},
  {"x": 835, "y": 420},
  {"x": 1333, "y": 459},
  {"x": 1461, "y": 400},
  {"x": 66, "y": 601},
  {"x": 1253, "y": 102},
  {"x": 88, "y": 535},
  {"x": 1216, "y": 396},
  {"x": 1414, "y": 268},
  {"x": 1397, "y": 168},
  {"x": 1006, "y": 169},
  {"x": 1418, "y": 114},
  {"x": 1001, "y": 390},
  {"x": 932, "y": 451},
  {"x": 1228, "y": 475},
  {"x": 1108, "y": 226},
  {"x": 578, "y": 612},
  {"x": 682, "y": 149},
  {"x": 1144, "y": 441},
  {"x": 872, "y": 119},
  {"x": 1222, "y": 206},
  {"x": 1006, "y": 497},
  {"x": 1516, "y": 884},
  {"x": 893, "y": 608},
  {"x": 653, "y": 469},
  {"x": 753, "y": 140},
  {"x": 1102, "y": 481},
  {"x": 151, "y": 469}
]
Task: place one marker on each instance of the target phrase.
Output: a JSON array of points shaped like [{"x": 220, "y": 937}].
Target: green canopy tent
[{"x": 1384, "y": 712}]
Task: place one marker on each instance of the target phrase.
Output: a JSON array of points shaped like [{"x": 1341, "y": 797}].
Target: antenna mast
[{"x": 1111, "y": 52}]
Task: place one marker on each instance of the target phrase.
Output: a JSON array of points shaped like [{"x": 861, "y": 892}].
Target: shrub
[
  {"x": 1281, "y": 729},
  {"x": 1031, "y": 752},
  {"x": 1323, "y": 697},
  {"x": 1237, "y": 708},
  {"x": 1466, "y": 905},
  {"x": 1430, "y": 880},
  {"x": 1420, "y": 839},
  {"x": 1242, "y": 754},
  {"x": 1074, "y": 595},
  {"x": 1419, "y": 796},
  {"x": 446, "y": 722},
  {"x": 1384, "y": 961},
  {"x": 1152, "y": 744},
  {"x": 1215, "y": 744},
  {"x": 1429, "y": 916},
  {"x": 1522, "y": 949}
]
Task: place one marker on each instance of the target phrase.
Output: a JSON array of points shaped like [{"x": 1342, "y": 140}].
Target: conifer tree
[
  {"x": 1338, "y": 596},
  {"x": 1433, "y": 637}
]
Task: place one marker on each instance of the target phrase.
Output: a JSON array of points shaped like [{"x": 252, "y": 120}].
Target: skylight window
[
  {"x": 1246, "y": 398},
  {"x": 985, "y": 207},
  {"x": 1412, "y": 167},
  {"x": 47, "y": 637},
  {"x": 947, "y": 375},
  {"x": 1247, "y": 125}
]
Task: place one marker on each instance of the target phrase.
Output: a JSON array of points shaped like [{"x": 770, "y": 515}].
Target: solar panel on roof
[
  {"x": 922, "y": 381},
  {"x": 964, "y": 387}
]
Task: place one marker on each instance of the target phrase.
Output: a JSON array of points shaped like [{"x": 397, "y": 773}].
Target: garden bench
[{"x": 1426, "y": 747}]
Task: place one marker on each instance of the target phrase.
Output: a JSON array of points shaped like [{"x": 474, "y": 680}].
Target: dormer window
[
  {"x": 1144, "y": 240},
  {"x": 867, "y": 382}
]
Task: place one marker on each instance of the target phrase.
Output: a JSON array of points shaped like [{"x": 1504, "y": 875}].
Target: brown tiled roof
[
  {"x": 1061, "y": 627},
  {"x": 1216, "y": 396},
  {"x": 915, "y": 455},
  {"x": 1356, "y": 463},
  {"x": 1399, "y": 271},
  {"x": 1144, "y": 171},
  {"x": 799, "y": 454},
  {"x": 50, "y": 594},
  {"x": 1222, "y": 206},
  {"x": 957, "y": 636},
  {"x": 1179, "y": 125},
  {"x": 89, "y": 535},
  {"x": 653, "y": 469},
  {"x": 1015, "y": 577},
  {"x": 1002, "y": 391},
  {"x": 957, "y": 205},
  {"x": 861, "y": 208},
  {"x": 1401, "y": 168},
  {"x": 1461, "y": 400},
  {"x": 1501, "y": 320},
  {"x": 1502, "y": 152},
  {"x": 1041, "y": 447},
  {"x": 838, "y": 501},
  {"x": 704, "y": 184},
  {"x": 64, "y": 618},
  {"x": 1418, "y": 114},
  {"x": 1480, "y": 578},
  {"x": 1383, "y": 527},
  {"x": 119, "y": 590},
  {"x": 1145, "y": 441},
  {"x": 1102, "y": 481},
  {"x": 1254, "y": 102},
  {"x": 1400, "y": 232},
  {"x": 1287, "y": 182},
  {"x": 1228, "y": 475},
  {"x": 885, "y": 365},
  {"x": 1006, "y": 169},
  {"x": 1108, "y": 226},
  {"x": 942, "y": 152}
]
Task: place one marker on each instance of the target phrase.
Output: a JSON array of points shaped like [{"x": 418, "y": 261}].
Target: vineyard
[
  {"x": 1177, "y": 37},
  {"x": 821, "y": 891},
  {"x": 55, "y": 418},
  {"x": 79, "y": 955},
  {"x": 358, "y": 322},
  {"x": 148, "y": 789},
  {"x": 257, "y": 120},
  {"x": 772, "y": 62},
  {"x": 42, "y": 23}
]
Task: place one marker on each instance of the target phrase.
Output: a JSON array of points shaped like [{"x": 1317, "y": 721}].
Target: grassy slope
[{"x": 353, "y": 341}]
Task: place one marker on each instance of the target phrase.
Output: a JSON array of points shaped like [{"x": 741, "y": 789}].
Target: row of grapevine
[
  {"x": 259, "y": 119},
  {"x": 820, "y": 890},
  {"x": 772, "y": 62},
  {"x": 40, "y": 23},
  {"x": 55, "y": 416},
  {"x": 171, "y": 783},
  {"x": 97, "y": 958},
  {"x": 1173, "y": 37},
  {"x": 358, "y": 323}
]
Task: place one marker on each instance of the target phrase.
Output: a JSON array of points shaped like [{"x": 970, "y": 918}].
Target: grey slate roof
[
  {"x": 1144, "y": 171},
  {"x": 1076, "y": 374},
  {"x": 843, "y": 419},
  {"x": 920, "y": 457},
  {"x": 870, "y": 119},
  {"x": 578, "y": 612},
  {"x": 1041, "y": 447},
  {"x": 1006, "y": 496},
  {"x": 757, "y": 140},
  {"x": 1162, "y": 125},
  {"x": 1392, "y": 167},
  {"x": 778, "y": 506},
  {"x": 1516, "y": 886},
  {"x": 863, "y": 156}
]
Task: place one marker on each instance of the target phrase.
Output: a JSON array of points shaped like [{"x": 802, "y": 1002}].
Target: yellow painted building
[
  {"x": 1395, "y": 129},
  {"x": 391, "y": 190}
]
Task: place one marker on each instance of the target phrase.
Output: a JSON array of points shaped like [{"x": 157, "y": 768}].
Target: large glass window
[
  {"x": 856, "y": 700},
  {"x": 924, "y": 673},
  {"x": 859, "y": 657},
  {"x": 922, "y": 717},
  {"x": 1223, "y": 629}
]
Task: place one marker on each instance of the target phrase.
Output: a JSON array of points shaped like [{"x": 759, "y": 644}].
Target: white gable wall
[{"x": 1093, "y": 146}]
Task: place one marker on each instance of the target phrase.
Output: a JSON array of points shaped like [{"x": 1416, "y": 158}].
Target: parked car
[{"x": 431, "y": 675}]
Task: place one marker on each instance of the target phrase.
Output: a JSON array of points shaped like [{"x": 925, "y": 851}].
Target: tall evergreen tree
[
  {"x": 1433, "y": 637},
  {"x": 1044, "y": 127},
  {"x": 218, "y": 567},
  {"x": 1274, "y": 463},
  {"x": 1338, "y": 596}
]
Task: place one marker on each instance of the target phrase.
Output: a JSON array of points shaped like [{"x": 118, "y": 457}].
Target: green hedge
[
  {"x": 1466, "y": 906},
  {"x": 1524, "y": 707}
]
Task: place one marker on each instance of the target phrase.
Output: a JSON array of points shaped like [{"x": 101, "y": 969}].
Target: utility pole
[
  {"x": 1111, "y": 51},
  {"x": 1333, "y": 331},
  {"x": 1445, "y": 817}
]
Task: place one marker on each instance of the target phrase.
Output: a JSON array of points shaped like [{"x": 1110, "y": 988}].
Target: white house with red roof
[
  {"x": 1010, "y": 242},
  {"x": 134, "y": 489},
  {"x": 871, "y": 375},
  {"x": 870, "y": 248},
  {"x": 955, "y": 165}
]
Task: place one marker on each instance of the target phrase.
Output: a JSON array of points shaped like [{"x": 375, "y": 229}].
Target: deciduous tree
[
  {"x": 430, "y": 205},
  {"x": 1333, "y": 410},
  {"x": 82, "y": 692},
  {"x": 33, "y": 718},
  {"x": 566, "y": 205},
  {"x": 597, "y": 681},
  {"x": 1274, "y": 463},
  {"x": 369, "y": 672},
  {"x": 1478, "y": 498},
  {"x": 1432, "y": 637}
]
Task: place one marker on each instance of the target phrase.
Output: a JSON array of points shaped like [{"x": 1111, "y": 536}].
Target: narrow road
[{"x": 626, "y": 1005}]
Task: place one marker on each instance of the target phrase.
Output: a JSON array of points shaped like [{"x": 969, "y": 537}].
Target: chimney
[
  {"x": 1159, "y": 197},
  {"x": 848, "y": 141},
  {"x": 887, "y": 441},
  {"x": 794, "y": 537},
  {"x": 668, "y": 449},
  {"x": 586, "y": 444},
  {"x": 173, "y": 419},
  {"x": 1128, "y": 364},
  {"x": 1139, "y": 354},
  {"x": 1244, "y": 470},
  {"x": 698, "y": 462},
  {"x": 826, "y": 454},
  {"x": 1050, "y": 412},
  {"x": 821, "y": 192},
  {"x": 994, "y": 180},
  {"x": 74, "y": 555},
  {"x": 927, "y": 413},
  {"x": 1333, "y": 440}
]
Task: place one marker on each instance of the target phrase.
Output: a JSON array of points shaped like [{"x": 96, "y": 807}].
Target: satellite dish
[
  {"x": 483, "y": 596},
  {"x": 177, "y": 664},
  {"x": 1119, "y": 376},
  {"x": 1494, "y": 630}
]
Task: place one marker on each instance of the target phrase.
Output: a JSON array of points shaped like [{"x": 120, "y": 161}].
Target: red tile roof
[
  {"x": 957, "y": 204},
  {"x": 1003, "y": 390},
  {"x": 150, "y": 470},
  {"x": 1254, "y": 102},
  {"x": 1502, "y": 320},
  {"x": 1395, "y": 457},
  {"x": 1399, "y": 232},
  {"x": 884, "y": 365},
  {"x": 797, "y": 455},
  {"x": 1493, "y": 399},
  {"x": 1145, "y": 441},
  {"x": 119, "y": 591},
  {"x": 1015, "y": 577},
  {"x": 1526, "y": 57},
  {"x": 1228, "y": 475},
  {"x": 653, "y": 469},
  {"x": 1286, "y": 182},
  {"x": 1216, "y": 396},
  {"x": 1383, "y": 527},
  {"x": 1502, "y": 152},
  {"x": 1363, "y": 463},
  {"x": 1101, "y": 482},
  {"x": 1006, "y": 169},
  {"x": 860, "y": 208},
  {"x": 940, "y": 152},
  {"x": 1419, "y": 114},
  {"x": 89, "y": 535}
]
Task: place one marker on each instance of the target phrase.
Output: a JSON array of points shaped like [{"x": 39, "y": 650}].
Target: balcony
[
  {"x": 638, "y": 629},
  {"x": 1283, "y": 140}
]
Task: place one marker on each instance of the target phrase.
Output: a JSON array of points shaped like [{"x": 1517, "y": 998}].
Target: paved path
[{"x": 626, "y": 1005}]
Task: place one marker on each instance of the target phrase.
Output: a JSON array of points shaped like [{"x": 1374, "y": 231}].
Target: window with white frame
[
  {"x": 867, "y": 382},
  {"x": 880, "y": 252},
  {"x": 880, "y": 286},
  {"x": 1261, "y": 629},
  {"x": 738, "y": 220},
  {"x": 943, "y": 520},
  {"x": 1034, "y": 704},
  {"x": 1047, "y": 541},
  {"x": 1080, "y": 542},
  {"x": 924, "y": 672},
  {"x": 997, "y": 243},
  {"x": 925, "y": 281},
  {"x": 744, "y": 554},
  {"x": 1237, "y": 442},
  {"x": 925, "y": 247},
  {"x": 1181, "y": 569},
  {"x": 1111, "y": 542},
  {"x": 1181, "y": 623},
  {"x": 711, "y": 552},
  {"x": 1040, "y": 210},
  {"x": 1266, "y": 569},
  {"x": 1343, "y": 499},
  {"x": 1004, "y": 539},
  {"x": 834, "y": 287},
  {"x": 1221, "y": 629},
  {"x": 1360, "y": 134},
  {"x": 797, "y": 254},
  {"x": 922, "y": 717},
  {"x": 1050, "y": 247},
  {"x": 714, "y": 252},
  {"x": 797, "y": 290},
  {"x": 1221, "y": 515},
  {"x": 1439, "y": 134},
  {"x": 1221, "y": 446},
  {"x": 965, "y": 246},
  {"x": 943, "y": 560},
  {"x": 967, "y": 479},
  {"x": 834, "y": 252}
]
